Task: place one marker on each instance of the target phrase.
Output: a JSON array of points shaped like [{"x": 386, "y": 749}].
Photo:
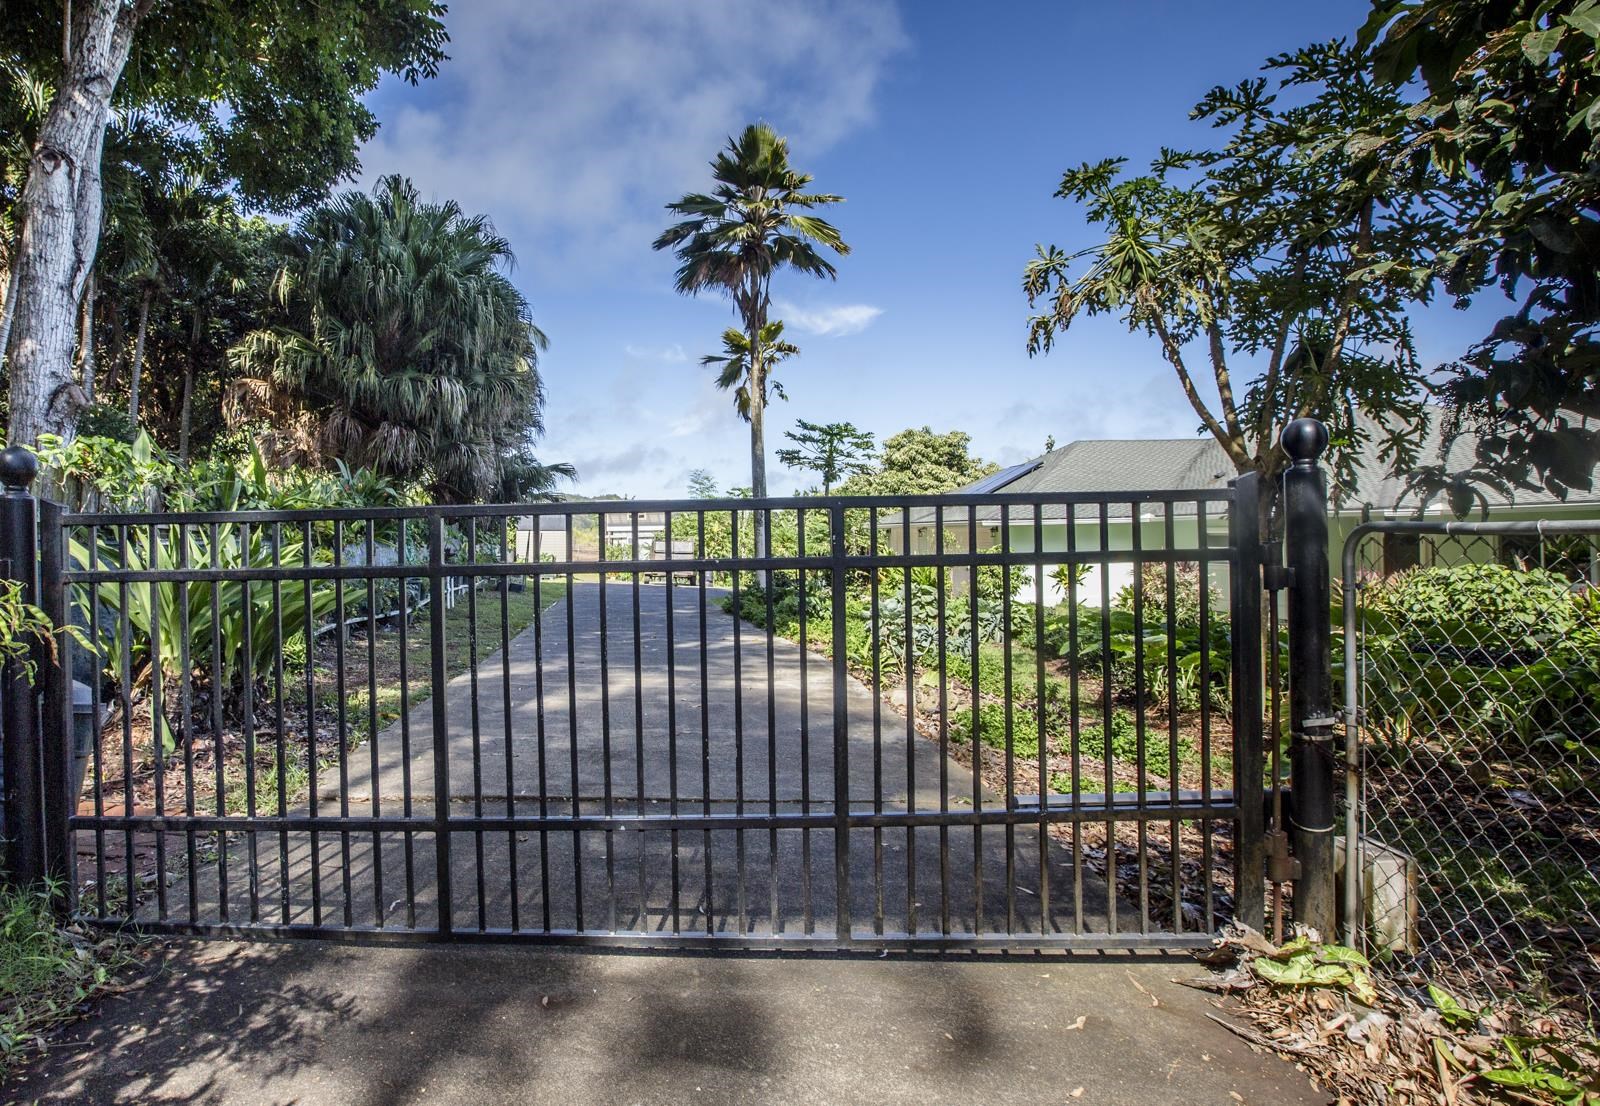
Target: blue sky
[{"x": 945, "y": 125}]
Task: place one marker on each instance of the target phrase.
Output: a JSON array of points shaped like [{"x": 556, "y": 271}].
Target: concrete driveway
[{"x": 683, "y": 700}]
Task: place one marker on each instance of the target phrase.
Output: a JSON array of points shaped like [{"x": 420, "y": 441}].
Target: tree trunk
[
  {"x": 8, "y": 310},
  {"x": 188, "y": 406},
  {"x": 187, "y": 416},
  {"x": 117, "y": 340},
  {"x": 138, "y": 357},
  {"x": 758, "y": 444},
  {"x": 86, "y": 369},
  {"x": 61, "y": 204}
]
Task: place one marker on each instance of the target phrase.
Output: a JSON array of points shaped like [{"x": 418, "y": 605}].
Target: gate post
[
  {"x": 1249, "y": 767},
  {"x": 1311, "y": 753},
  {"x": 24, "y": 796}
]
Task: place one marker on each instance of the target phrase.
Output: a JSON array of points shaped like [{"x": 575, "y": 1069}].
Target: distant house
[
  {"x": 1194, "y": 464},
  {"x": 546, "y": 536}
]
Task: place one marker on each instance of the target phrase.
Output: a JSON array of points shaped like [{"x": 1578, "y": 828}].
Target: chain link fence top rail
[{"x": 1474, "y": 671}]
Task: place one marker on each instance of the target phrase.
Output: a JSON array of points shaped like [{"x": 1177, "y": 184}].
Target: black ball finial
[
  {"x": 1304, "y": 440},
  {"x": 18, "y": 467}
]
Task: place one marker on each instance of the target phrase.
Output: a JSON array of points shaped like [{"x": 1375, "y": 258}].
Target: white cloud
[
  {"x": 572, "y": 124},
  {"x": 830, "y": 322},
  {"x": 673, "y": 354}
]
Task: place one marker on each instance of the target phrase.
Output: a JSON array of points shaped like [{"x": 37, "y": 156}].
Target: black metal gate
[{"x": 980, "y": 721}]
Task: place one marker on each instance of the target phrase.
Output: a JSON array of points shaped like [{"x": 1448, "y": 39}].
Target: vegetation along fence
[{"x": 1475, "y": 768}]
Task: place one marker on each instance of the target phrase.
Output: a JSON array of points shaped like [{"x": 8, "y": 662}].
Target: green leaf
[
  {"x": 1455, "y": 1015},
  {"x": 1585, "y": 19},
  {"x": 1537, "y": 46},
  {"x": 1341, "y": 954}
]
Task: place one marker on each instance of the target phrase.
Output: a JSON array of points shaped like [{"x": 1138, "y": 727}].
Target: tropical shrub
[
  {"x": 1145, "y": 658},
  {"x": 1495, "y": 656}
]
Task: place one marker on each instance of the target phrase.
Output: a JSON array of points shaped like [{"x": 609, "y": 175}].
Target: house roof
[{"x": 1200, "y": 464}]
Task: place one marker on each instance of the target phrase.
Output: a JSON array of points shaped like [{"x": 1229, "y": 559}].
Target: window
[{"x": 1400, "y": 552}]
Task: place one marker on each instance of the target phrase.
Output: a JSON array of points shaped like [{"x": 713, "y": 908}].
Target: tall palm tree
[
  {"x": 402, "y": 346},
  {"x": 754, "y": 222},
  {"x": 735, "y": 362}
]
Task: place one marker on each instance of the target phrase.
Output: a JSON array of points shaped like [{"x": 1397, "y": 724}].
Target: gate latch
[
  {"x": 1276, "y": 577},
  {"x": 1281, "y": 867}
]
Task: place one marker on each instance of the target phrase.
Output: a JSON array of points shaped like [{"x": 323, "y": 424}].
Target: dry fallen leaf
[
  {"x": 1079, "y": 1023},
  {"x": 1143, "y": 990},
  {"x": 1077, "y": 1092}
]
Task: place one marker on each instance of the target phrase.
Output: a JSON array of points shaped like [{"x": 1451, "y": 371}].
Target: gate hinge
[
  {"x": 1276, "y": 577},
  {"x": 1281, "y": 867}
]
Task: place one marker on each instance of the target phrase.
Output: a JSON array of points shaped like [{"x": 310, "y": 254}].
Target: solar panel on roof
[{"x": 1002, "y": 478}]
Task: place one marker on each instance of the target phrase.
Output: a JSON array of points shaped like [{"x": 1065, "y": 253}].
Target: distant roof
[{"x": 1199, "y": 464}]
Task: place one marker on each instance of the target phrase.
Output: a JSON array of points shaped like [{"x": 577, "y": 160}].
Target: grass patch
[
  {"x": 47, "y": 973},
  {"x": 384, "y": 657}
]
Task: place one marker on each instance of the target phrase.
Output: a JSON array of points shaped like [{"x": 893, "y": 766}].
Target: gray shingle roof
[{"x": 1196, "y": 464}]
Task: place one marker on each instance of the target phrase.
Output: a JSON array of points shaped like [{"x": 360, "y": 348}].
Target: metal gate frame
[{"x": 841, "y": 814}]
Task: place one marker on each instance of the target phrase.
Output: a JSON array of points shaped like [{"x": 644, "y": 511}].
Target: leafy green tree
[
  {"x": 921, "y": 462},
  {"x": 1513, "y": 103},
  {"x": 1292, "y": 253},
  {"x": 832, "y": 450},
  {"x": 702, "y": 485},
  {"x": 398, "y": 345},
  {"x": 754, "y": 222},
  {"x": 737, "y": 366},
  {"x": 271, "y": 93}
]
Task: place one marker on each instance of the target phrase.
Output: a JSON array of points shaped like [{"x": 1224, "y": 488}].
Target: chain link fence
[{"x": 1473, "y": 666}]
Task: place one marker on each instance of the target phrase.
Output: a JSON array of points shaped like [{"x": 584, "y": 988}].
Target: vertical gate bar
[
  {"x": 403, "y": 557},
  {"x": 308, "y": 616},
  {"x": 772, "y": 740},
  {"x": 1107, "y": 730},
  {"x": 125, "y": 678},
  {"x": 441, "y": 722},
  {"x": 738, "y": 719},
  {"x": 805, "y": 728},
  {"x": 705, "y": 722},
  {"x": 1311, "y": 752},
  {"x": 372, "y": 722},
  {"x": 973, "y": 647},
  {"x": 841, "y": 733},
  {"x": 158, "y": 739},
  {"x": 1141, "y": 702},
  {"x": 638, "y": 719},
  {"x": 1040, "y": 720},
  {"x": 1074, "y": 721},
  {"x": 185, "y": 697},
  {"x": 910, "y": 682},
  {"x": 572, "y": 733},
  {"x": 247, "y": 667},
  {"x": 536, "y": 560},
  {"x": 1010, "y": 798},
  {"x": 944, "y": 722},
  {"x": 1174, "y": 761},
  {"x": 341, "y": 727},
  {"x": 57, "y": 737},
  {"x": 475, "y": 717},
  {"x": 1245, "y": 593},
  {"x": 280, "y": 735},
  {"x": 24, "y": 813},
  {"x": 672, "y": 724},
  {"x": 96, "y": 748},
  {"x": 605, "y": 733},
  {"x": 507, "y": 557},
  {"x": 877, "y": 724},
  {"x": 1205, "y": 824}
]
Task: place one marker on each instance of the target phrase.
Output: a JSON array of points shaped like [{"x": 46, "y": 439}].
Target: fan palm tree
[
  {"x": 754, "y": 222},
  {"x": 735, "y": 362},
  {"x": 402, "y": 348}
]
